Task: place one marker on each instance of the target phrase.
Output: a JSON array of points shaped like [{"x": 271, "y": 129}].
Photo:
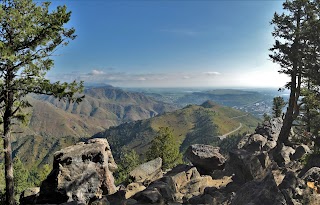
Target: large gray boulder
[
  {"x": 270, "y": 130},
  {"x": 313, "y": 161},
  {"x": 264, "y": 192},
  {"x": 205, "y": 157},
  {"x": 255, "y": 142},
  {"x": 312, "y": 175},
  {"x": 80, "y": 173},
  {"x": 245, "y": 166},
  {"x": 292, "y": 188},
  {"x": 285, "y": 155},
  {"x": 178, "y": 185},
  {"x": 147, "y": 172},
  {"x": 29, "y": 196},
  {"x": 301, "y": 151}
]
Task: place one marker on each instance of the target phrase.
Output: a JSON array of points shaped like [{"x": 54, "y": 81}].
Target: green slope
[
  {"x": 192, "y": 124},
  {"x": 55, "y": 124}
]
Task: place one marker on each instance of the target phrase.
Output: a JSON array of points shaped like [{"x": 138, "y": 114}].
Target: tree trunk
[
  {"x": 8, "y": 166},
  {"x": 293, "y": 108},
  {"x": 7, "y": 144},
  {"x": 308, "y": 114}
]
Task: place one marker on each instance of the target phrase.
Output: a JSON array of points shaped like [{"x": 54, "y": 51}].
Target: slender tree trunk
[
  {"x": 288, "y": 119},
  {"x": 293, "y": 108},
  {"x": 7, "y": 142},
  {"x": 308, "y": 114},
  {"x": 8, "y": 165}
]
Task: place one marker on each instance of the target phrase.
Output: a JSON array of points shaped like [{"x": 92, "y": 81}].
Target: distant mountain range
[
  {"x": 127, "y": 119},
  {"x": 54, "y": 124},
  {"x": 192, "y": 124},
  {"x": 101, "y": 108}
]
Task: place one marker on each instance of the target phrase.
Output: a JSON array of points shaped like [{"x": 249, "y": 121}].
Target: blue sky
[{"x": 170, "y": 43}]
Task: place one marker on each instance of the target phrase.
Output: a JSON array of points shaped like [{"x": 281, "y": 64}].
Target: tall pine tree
[
  {"x": 29, "y": 35},
  {"x": 297, "y": 38}
]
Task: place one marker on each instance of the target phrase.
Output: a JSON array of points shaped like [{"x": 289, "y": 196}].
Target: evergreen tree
[
  {"x": 37, "y": 175},
  {"x": 21, "y": 175},
  {"x": 278, "y": 105},
  {"x": 29, "y": 34},
  {"x": 296, "y": 50},
  {"x": 165, "y": 146},
  {"x": 128, "y": 161},
  {"x": 266, "y": 117}
]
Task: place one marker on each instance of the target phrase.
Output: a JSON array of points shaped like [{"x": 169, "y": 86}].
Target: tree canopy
[
  {"x": 278, "y": 105},
  {"x": 165, "y": 146},
  {"x": 30, "y": 33},
  {"x": 296, "y": 50}
]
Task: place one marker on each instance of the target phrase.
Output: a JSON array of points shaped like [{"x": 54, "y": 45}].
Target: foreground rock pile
[
  {"x": 259, "y": 171},
  {"x": 81, "y": 173}
]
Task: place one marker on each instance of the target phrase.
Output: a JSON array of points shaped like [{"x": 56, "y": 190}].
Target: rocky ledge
[{"x": 259, "y": 171}]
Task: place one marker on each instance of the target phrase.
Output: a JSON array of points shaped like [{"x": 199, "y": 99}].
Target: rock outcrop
[
  {"x": 205, "y": 157},
  {"x": 250, "y": 175},
  {"x": 147, "y": 172},
  {"x": 180, "y": 184},
  {"x": 81, "y": 173},
  {"x": 264, "y": 192}
]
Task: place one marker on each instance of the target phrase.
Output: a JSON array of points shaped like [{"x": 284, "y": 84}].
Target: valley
[{"x": 126, "y": 118}]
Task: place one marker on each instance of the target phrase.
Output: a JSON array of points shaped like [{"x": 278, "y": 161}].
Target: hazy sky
[{"x": 170, "y": 43}]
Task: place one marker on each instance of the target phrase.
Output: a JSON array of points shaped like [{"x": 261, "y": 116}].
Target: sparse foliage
[
  {"x": 164, "y": 146},
  {"x": 30, "y": 33},
  {"x": 21, "y": 175},
  {"x": 278, "y": 105},
  {"x": 129, "y": 160},
  {"x": 266, "y": 117}
]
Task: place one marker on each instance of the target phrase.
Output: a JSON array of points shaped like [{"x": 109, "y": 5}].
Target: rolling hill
[
  {"x": 192, "y": 124},
  {"x": 55, "y": 124},
  {"x": 101, "y": 108},
  {"x": 227, "y": 97}
]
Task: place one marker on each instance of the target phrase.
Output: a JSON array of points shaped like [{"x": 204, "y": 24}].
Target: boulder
[
  {"x": 80, "y": 173},
  {"x": 312, "y": 175},
  {"x": 133, "y": 188},
  {"x": 147, "y": 172},
  {"x": 271, "y": 130},
  {"x": 102, "y": 201},
  {"x": 205, "y": 157},
  {"x": 29, "y": 195},
  {"x": 312, "y": 179},
  {"x": 149, "y": 196},
  {"x": 178, "y": 185},
  {"x": 313, "y": 161},
  {"x": 212, "y": 196},
  {"x": 264, "y": 192},
  {"x": 300, "y": 152},
  {"x": 255, "y": 142},
  {"x": 291, "y": 188},
  {"x": 282, "y": 154},
  {"x": 245, "y": 166}
]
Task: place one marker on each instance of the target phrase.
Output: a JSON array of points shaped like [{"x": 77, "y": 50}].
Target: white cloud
[
  {"x": 142, "y": 79},
  {"x": 262, "y": 76},
  {"x": 97, "y": 72},
  {"x": 212, "y": 73}
]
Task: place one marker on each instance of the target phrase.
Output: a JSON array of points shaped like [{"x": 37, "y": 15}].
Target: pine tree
[
  {"x": 266, "y": 117},
  {"x": 278, "y": 105},
  {"x": 128, "y": 161},
  {"x": 296, "y": 49},
  {"x": 29, "y": 35},
  {"x": 165, "y": 146},
  {"x": 21, "y": 175}
]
